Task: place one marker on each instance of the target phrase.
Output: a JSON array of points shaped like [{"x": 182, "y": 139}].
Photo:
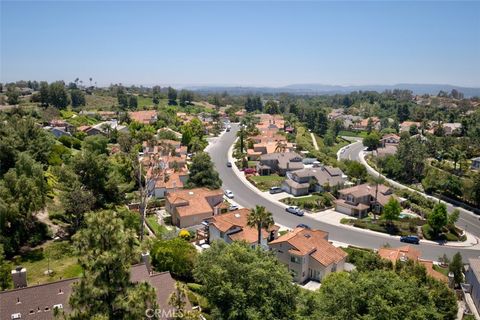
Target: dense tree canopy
[
  {"x": 243, "y": 283},
  {"x": 202, "y": 172}
]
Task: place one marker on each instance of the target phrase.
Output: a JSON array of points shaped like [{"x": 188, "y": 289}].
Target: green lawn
[
  {"x": 155, "y": 226},
  {"x": 312, "y": 202},
  {"x": 58, "y": 256},
  {"x": 400, "y": 227},
  {"x": 266, "y": 182}
]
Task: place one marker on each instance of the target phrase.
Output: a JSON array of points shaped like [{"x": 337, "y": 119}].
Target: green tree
[
  {"x": 133, "y": 102},
  {"x": 44, "y": 95},
  {"x": 78, "y": 98},
  {"x": 392, "y": 210},
  {"x": 172, "y": 96},
  {"x": 453, "y": 217},
  {"x": 176, "y": 255},
  {"x": 355, "y": 170},
  {"x": 456, "y": 267},
  {"x": 185, "y": 97},
  {"x": 412, "y": 154},
  {"x": 106, "y": 250},
  {"x": 76, "y": 201},
  {"x": 438, "y": 218},
  {"x": 456, "y": 156},
  {"x": 13, "y": 95},
  {"x": 261, "y": 219},
  {"x": 372, "y": 141},
  {"x": 58, "y": 95},
  {"x": 5, "y": 267},
  {"x": 383, "y": 295},
  {"x": 202, "y": 172},
  {"x": 244, "y": 283},
  {"x": 271, "y": 107},
  {"x": 122, "y": 99}
]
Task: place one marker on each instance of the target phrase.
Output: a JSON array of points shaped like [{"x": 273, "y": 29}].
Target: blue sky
[{"x": 242, "y": 43}]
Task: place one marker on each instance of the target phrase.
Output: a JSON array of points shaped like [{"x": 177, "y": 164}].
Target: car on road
[
  {"x": 303, "y": 225},
  {"x": 229, "y": 194},
  {"x": 233, "y": 207},
  {"x": 229, "y": 164},
  {"x": 295, "y": 210},
  {"x": 249, "y": 170},
  {"x": 410, "y": 239},
  {"x": 274, "y": 190}
]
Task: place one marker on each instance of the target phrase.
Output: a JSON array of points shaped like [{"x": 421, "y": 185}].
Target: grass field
[
  {"x": 266, "y": 182},
  {"x": 155, "y": 226},
  {"x": 58, "y": 256},
  {"x": 97, "y": 102}
]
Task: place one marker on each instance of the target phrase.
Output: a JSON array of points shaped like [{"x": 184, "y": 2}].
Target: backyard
[{"x": 59, "y": 257}]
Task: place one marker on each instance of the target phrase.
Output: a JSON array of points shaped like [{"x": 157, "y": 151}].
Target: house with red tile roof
[
  {"x": 410, "y": 253},
  {"x": 308, "y": 254},
  {"x": 144, "y": 117},
  {"x": 189, "y": 207},
  {"x": 359, "y": 200},
  {"x": 232, "y": 226}
]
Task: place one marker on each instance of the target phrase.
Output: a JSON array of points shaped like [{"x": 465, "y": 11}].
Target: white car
[
  {"x": 233, "y": 207},
  {"x": 229, "y": 194}
]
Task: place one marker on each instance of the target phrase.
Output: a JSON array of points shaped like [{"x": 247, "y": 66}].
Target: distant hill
[{"x": 316, "y": 89}]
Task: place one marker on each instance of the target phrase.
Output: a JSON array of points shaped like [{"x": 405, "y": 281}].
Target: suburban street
[
  {"x": 248, "y": 198},
  {"x": 467, "y": 220}
]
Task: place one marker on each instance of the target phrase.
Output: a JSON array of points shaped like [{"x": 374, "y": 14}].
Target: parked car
[
  {"x": 229, "y": 194},
  {"x": 229, "y": 164},
  {"x": 249, "y": 170},
  {"x": 274, "y": 190},
  {"x": 410, "y": 239},
  {"x": 233, "y": 207},
  {"x": 302, "y": 225},
  {"x": 295, "y": 210}
]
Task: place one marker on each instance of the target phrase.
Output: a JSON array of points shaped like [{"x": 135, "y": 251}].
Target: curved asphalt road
[
  {"x": 467, "y": 220},
  {"x": 248, "y": 198}
]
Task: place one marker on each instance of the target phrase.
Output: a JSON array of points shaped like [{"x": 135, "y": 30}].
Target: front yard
[
  {"x": 313, "y": 202},
  {"x": 401, "y": 227},
  {"x": 264, "y": 183}
]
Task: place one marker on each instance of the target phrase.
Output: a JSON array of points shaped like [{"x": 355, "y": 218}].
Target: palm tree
[
  {"x": 456, "y": 155},
  {"x": 260, "y": 218}
]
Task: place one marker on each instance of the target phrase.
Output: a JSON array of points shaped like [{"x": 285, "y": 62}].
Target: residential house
[
  {"x": 145, "y": 117},
  {"x": 363, "y": 125},
  {"x": 359, "y": 200},
  {"x": 390, "y": 139},
  {"x": 177, "y": 135},
  {"x": 405, "y": 125},
  {"x": 472, "y": 278},
  {"x": 57, "y": 131},
  {"x": 189, "y": 207},
  {"x": 40, "y": 301},
  {"x": 335, "y": 114},
  {"x": 301, "y": 182},
  {"x": 308, "y": 254},
  {"x": 279, "y": 163},
  {"x": 476, "y": 163},
  {"x": 410, "y": 253},
  {"x": 452, "y": 128},
  {"x": 232, "y": 226}
]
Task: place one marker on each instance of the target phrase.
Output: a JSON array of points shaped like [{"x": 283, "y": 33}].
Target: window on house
[{"x": 295, "y": 259}]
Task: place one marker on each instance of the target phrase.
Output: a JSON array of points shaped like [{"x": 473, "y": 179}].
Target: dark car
[
  {"x": 274, "y": 190},
  {"x": 410, "y": 239},
  {"x": 229, "y": 164},
  {"x": 302, "y": 225}
]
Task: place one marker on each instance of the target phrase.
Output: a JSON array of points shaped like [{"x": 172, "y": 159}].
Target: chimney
[
  {"x": 451, "y": 280},
  {"x": 19, "y": 277},
  {"x": 146, "y": 261}
]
